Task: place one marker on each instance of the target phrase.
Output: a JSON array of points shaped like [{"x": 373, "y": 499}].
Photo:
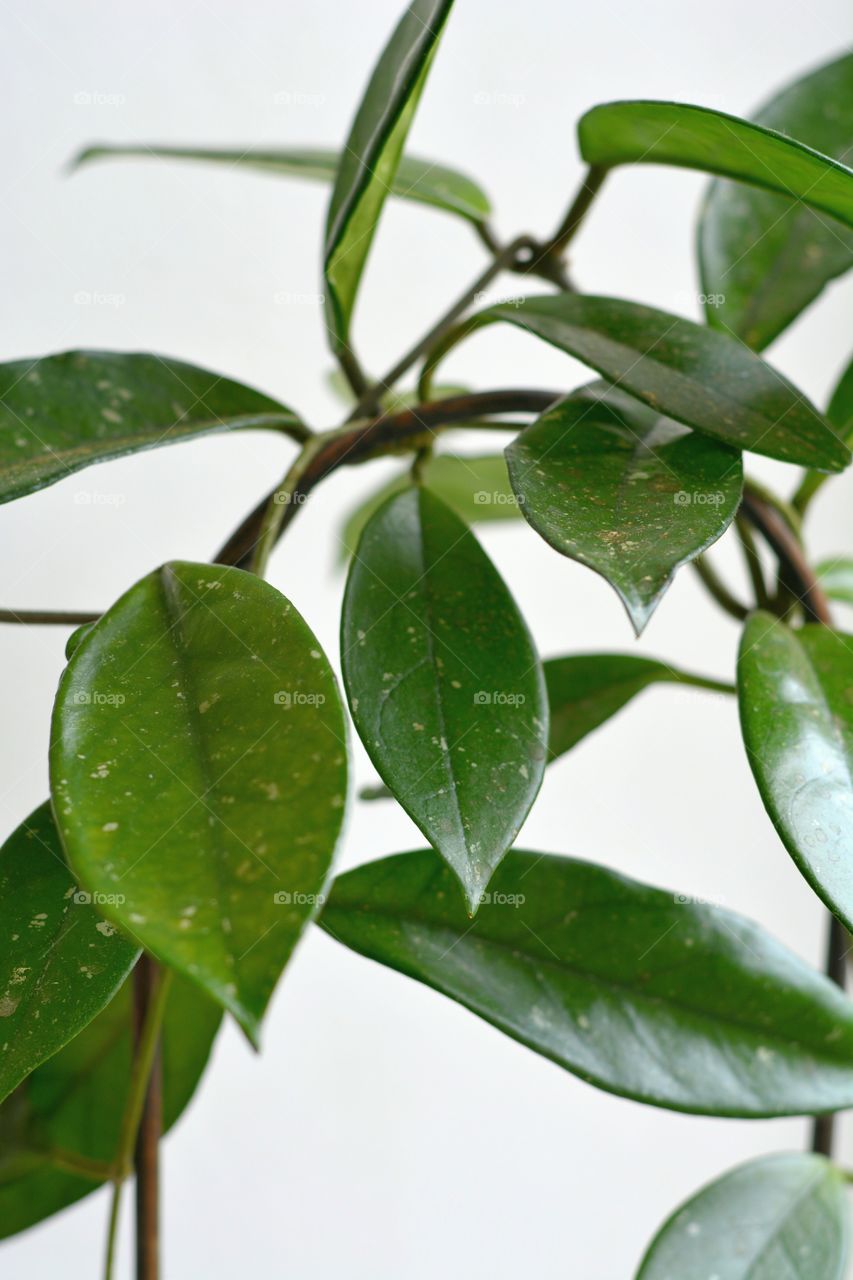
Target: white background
[{"x": 386, "y": 1134}]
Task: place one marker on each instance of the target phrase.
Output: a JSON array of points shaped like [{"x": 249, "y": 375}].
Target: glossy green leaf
[
  {"x": 641, "y": 992},
  {"x": 444, "y": 683},
  {"x": 60, "y": 962},
  {"x": 68, "y": 1112},
  {"x": 586, "y": 689},
  {"x": 415, "y": 179},
  {"x": 690, "y": 137},
  {"x": 764, "y": 257},
  {"x": 626, "y": 492},
  {"x": 198, "y": 768},
  {"x": 61, "y": 413},
  {"x": 836, "y": 578},
  {"x": 696, "y": 375},
  {"x": 372, "y": 154},
  {"x": 840, "y": 408},
  {"x": 796, "y": 714},
  {"x": 779, "y": 1216},
  {"x": 477, "y": 489}
]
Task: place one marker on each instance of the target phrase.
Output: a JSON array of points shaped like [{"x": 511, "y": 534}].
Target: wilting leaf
[
  {"x": 624, "y": 491},
  {"x": 782, "y": 1215},
  {"x": 61, "y": 413},
  {"x": 690, "y": 137},
  {"x": 60, "y": 962},
  {"x": 444, "y": 683},
  {"x": 198, "y": 769},
  {"x": 797, "y": 721},
  {"x": 638, "y": 991},
  {"x": 764, "y": 257}
]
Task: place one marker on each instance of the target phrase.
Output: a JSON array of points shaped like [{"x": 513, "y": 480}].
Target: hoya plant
[{"x": 199, "y": 741}]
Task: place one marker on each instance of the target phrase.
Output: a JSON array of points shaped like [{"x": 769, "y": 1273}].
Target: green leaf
[
  {"x": 60, "y": 963},
  {"x": 372, "y": 154},
  {"x": 444, "y": 683},
  {"x": 797, "y": 723},
  {"x": 586, "y": 689},
  {"x": 198, "y": 767},
  {"x": 416, "y": 179},
  {"x": 698, "y": 376},
  {"x": 626, "y": 492},
  {"x": 690, "y": 137},
  {"x": 68, "y": 1112},
  {"x": 840, "y": 408},
  {"x": 781, "y": 1215},
  {"x": 61, "y": 413},
  {"x": 644, "y": 993},
  {"x": 836, "y": 577},
  {"x": 477, "y": 489},
  {"x": 764, "y": 257}
]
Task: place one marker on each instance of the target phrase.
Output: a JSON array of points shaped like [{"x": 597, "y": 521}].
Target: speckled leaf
[
  {"x": 624, "y": 491},
  {"x": 795, "y": 690},
  {"x": 444, "y": 683},
  {"x": 198, "y": 768},
  {"x": 415, "y": 179},
  {"x": 68, "y": 1112},
  {"x": 477, "y": 489},
  {"x": 782, "y": 1215},
  {"x": 372, "y": 153},
  {"x": 60, "y": 962},
  {"x": 836, "y": 578},
  {"x": 61, "y": 413},
  {"x": 696, "y": 375},
  {"x": 764, "y": 257},
  {"x": 691, "y": 137},
  {"x": 641, "y": 992},
  {"x": 586, "y": 689}
]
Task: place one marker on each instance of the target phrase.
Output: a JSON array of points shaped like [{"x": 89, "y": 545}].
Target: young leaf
[
  {"x": 586, "y": 689},
  {"x": 415, "y": 179},
  {"x": 698, "y": 376},
  {"x": 198, "y": 770},
  {"x": 444, "y": 683},
  {"x": 836, "y": 578},
  {"x": 638, "y": 991},
  {"x": 477, "y": 489},
  {"x": 762, "y": 256},
  {"x": 624, "y": 491},
  {"x": 61, "y": 413},
  {"x": 797, "y": 723},
  {"x": 690, "y": 137},
  {"x": 781, "y": 1215},
  {"x": 60, "y": 963},
  {"x": 372, "y": 153},
  {"x": 68, "y": 1112}
]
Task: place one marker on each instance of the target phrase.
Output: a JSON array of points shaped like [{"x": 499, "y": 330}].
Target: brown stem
[
  {"x": 46, "y": 617},
  {"x": 146, "y": 1159},
  {"x": 351, "y": 446}
]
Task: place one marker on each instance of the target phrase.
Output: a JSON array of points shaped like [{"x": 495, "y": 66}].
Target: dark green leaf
[
  {"x": 764, "y": 257},
  {"x": 198, "y": 767},
  {"x": 444, "y": 683},
  {"x": 700, "y": 377},
  {"x": 624, "y": 491},
  {"x": 586, "y": 689},
  {"x": 415, "y": 179},
  {"x": 796, "y": 716},
  {"x": 61, "y": 413},
  {"x": 60, "y": 962},
  {"x": 781, "y": 1215},
  {"x": 836, "y": 578},
  {"x": 690, "y": 137},
  {"x": 372, "y": 153},
  {"x": 643, "y": 993},
  {"x": 69, "y": 1110},
  {"x": 840, "y": 408},
  {"x": 477, "y": 489}
]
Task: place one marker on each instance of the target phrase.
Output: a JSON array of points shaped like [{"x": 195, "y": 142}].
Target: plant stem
[
  {"x": 140, "y": 1122},
  {"x": 44, "y": 617},
  {"x": 835, "y": 965},
  {"x": 718, "y": 590},
  {"x": 589, "y": 189},
  {"x": 753, "y": 563},
  {"x": 352, "y": 370}
]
